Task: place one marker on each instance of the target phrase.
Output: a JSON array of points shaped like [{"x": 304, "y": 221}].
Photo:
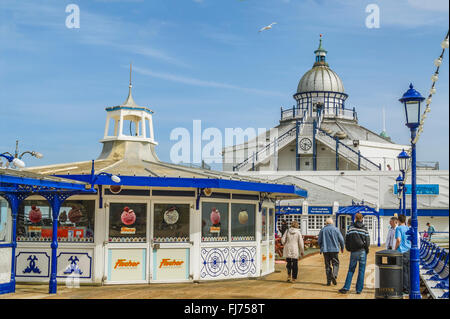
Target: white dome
[{"x": 320, "y": 78}]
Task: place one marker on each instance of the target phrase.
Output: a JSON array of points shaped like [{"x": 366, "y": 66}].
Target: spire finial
[
  {"x": 131, "y": 63},
  {"x": 129, "y": 101}
]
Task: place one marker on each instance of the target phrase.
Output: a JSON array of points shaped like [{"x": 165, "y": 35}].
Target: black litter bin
[{"x": 388, "y": 274}]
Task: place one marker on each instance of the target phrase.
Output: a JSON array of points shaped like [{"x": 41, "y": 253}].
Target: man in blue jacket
[{"x": 330, "y": 240}]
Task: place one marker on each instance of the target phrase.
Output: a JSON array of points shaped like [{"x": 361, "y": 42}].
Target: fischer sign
[
  {"x": 167, "y": 262},
  {"x": 123, "y": 263}
]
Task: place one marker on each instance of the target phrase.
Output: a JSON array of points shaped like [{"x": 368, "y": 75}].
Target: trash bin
[{"x": 388, "y": 275}]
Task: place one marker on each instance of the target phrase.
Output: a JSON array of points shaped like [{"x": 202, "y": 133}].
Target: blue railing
[{"x": 352, "y": 150}]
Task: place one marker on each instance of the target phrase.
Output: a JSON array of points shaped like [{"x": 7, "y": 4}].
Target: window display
[
  {"x": 271, "y": 223},
  {"x": 243, "y": 222},
  {"x": 214, "y": 221},
  {"x": 264, "y": 224},
  {"x": 75, "y": 221},
  {"x": 5, "y": 227},
  {"x": 171, "y": 223},
  {"x": 127, "y": 222}
]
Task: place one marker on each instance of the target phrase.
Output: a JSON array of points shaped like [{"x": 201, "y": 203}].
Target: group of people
[
  {"x": 397, "y": 240},
  {"x": 357, "y": 242},
  {"x": 331, "y": 241}
]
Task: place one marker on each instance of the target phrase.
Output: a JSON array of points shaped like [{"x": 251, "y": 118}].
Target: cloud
[{"x": 203, "y": 83}]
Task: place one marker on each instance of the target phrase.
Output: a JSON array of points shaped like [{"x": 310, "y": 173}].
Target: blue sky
[{"x": 204, "y": 59}]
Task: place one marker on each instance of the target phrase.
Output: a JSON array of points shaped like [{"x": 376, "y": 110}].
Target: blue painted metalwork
[
  {"x": 314, "y": 146},
  {"x": 178, "y": 182},
  {"x": 408, "y": 99},
  {"x": 297, "y": 154},
  {"x": 337, "y": 153},
  {"x": 16, "y": 188}
]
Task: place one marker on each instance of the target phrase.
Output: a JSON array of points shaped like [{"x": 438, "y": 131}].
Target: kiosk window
[
  {"x": 214, "y": 221},
  {"x": 171, "y": 223},
  {"x": 127, "y": 222},
  {"x": 75, "y": 221},
  {"x": 243, "y": 222},
  {"x": 264, "y": 224}
]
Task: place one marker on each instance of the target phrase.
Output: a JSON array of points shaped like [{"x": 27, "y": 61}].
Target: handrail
[
  {"x": 346, "y": 146},
  {"x": 268, "y": 146}
]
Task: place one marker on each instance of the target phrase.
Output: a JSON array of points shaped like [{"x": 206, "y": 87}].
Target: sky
[{"x": 205, "y": 60}]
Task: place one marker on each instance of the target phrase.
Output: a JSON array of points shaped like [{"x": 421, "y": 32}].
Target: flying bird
[{"x": 267, "y": 27}]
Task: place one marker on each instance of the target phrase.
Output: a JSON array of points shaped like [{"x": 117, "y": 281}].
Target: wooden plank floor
[{"x": 311, "y": 284}]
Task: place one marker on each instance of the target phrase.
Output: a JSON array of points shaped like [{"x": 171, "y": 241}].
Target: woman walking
[{"x": 293, "y": 247}]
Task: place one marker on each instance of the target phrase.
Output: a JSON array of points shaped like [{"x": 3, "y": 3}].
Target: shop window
[
  {"x": 214, "y": 221},
  {"x": 264, "y": 224},
  {"x": 271, "y": 223},
  {"x": 5, "y": 222},
  {"x": 289, "y": 218},
  {"x": 242, "y": 222},
  {"x": 127, "y": 222},
  {"x": 171, "y": 223},
  {"x": 75, "y": 221},
  {"x": 316, "y": 222}
]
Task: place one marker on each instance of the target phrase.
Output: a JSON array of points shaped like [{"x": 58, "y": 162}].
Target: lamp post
[
  {"x": 399, "y": 182},
  {"x": 403, "y": 164},
  {"x": 16, "y": 159},
  {"x": 411, "y": 101}
]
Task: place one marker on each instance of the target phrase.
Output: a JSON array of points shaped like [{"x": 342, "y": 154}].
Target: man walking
[
  {"x": 330, "y": 240},
  {"x": 357, "y": 241},
  {"x": 390, "y": 240},
  {"x": 430, "y": 230},
  {"x": 403, "y": 245}
]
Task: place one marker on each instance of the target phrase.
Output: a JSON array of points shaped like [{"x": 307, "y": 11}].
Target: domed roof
[{"x": 320, "y": 78}]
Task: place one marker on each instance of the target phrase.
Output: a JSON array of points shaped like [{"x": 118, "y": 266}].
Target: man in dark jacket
[
  {"x": 357, "y": 241},
  {"x": 284, "y": 227}
]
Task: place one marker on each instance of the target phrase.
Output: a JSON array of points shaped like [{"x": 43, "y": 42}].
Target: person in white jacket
[
  {"x": 293, "y": 248},
  {"x": 390, "y": 240}
]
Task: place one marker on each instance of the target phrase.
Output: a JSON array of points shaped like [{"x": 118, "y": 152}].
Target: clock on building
[{"x": 305, "y": 144}]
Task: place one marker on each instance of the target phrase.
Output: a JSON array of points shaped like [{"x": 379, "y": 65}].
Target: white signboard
[
  {"x": 76, "y": 264},
  {"x": 126, "y": 264},
  {"x": 171, "y": 264},
  {"x": 32, "y": 264},
  {"x": 5, "y": 265}
]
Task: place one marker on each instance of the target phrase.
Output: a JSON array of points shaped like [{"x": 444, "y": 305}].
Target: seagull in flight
[{"x": 267, "y": 27}]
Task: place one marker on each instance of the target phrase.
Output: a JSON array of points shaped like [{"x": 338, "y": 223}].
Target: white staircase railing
[{"x": 269, "y": 149}]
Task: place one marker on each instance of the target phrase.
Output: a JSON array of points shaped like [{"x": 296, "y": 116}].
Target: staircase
[
  {"x": 265, "y": 153},
  {"x": 306, "y": 128}
]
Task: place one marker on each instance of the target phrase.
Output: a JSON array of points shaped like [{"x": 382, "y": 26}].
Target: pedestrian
[
  {"x": 390, "y": 240},
  {"x": 330, "y": 242},
  {"x": 403, "y": 245},
  {"x": 430, "y": 230},
  {"x": 293, "y": 248},
  {"x": 357, "y": 242},
  {"x": 283, "y": 227}
]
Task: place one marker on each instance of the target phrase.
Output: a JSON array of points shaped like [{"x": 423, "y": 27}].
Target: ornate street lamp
[
  {"x": 412, "y": 101},
  {"x": 16, "y": 159},
  {"x": 403, "y": 163},
  {"x": 13, "y": 160}
]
